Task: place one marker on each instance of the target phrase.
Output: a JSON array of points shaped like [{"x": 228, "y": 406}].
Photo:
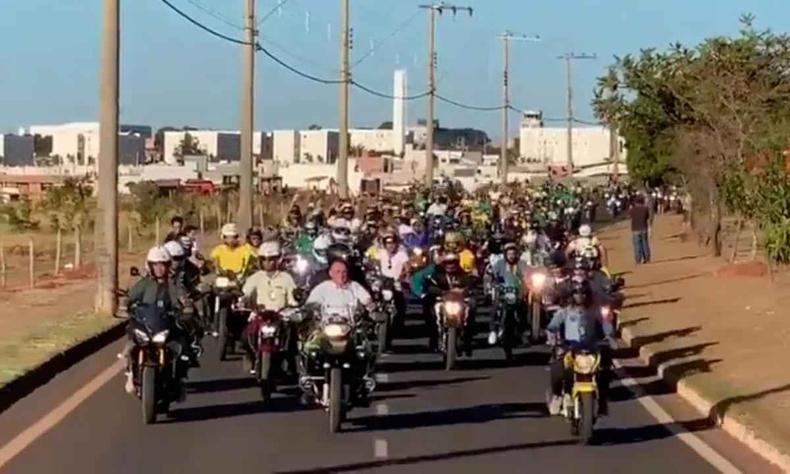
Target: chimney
[{"x": 399, "y": 112}]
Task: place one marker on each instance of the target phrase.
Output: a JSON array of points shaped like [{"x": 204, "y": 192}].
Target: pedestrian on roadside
[
  {"x": 176, "y": 227},
  {"x": 640, "y": 229}
]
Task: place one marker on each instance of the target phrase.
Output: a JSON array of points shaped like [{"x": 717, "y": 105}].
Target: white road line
[
  {"x": 382, "y": 409},
  {"x": 380, "y": 449},
  {"x": 690, "y": 439},
  {"x": 46, "y": 423},
  {"x": 382, "y": 378}
]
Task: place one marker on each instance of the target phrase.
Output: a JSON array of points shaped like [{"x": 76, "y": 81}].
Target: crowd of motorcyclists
[{"x": 338, "y": 283}]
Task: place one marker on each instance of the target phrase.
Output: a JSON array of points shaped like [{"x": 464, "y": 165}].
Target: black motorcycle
[
  {"x": 384, "y": 291},
  {"x": 507, "y": 305},
  {"x": 229, "y": 320}
]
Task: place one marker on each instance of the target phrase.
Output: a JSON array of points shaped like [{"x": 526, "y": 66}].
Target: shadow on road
[
  {"x": 412, "y": 460},
  {"x": 451, "y": 416},
  {"x": 671, "y": 280},
  {"x": 220, "y": 385},
  {"x": 278, "y": 404},
  {"x": 656, "y": 387},
  {"x": 640, "y": 304},
  {"x": 406, "y": 385}
]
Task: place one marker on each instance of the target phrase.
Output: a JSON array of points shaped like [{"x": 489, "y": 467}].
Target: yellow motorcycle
[{"x": 580, "y": 407}]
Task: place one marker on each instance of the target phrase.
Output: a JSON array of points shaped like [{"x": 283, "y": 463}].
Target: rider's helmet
[
  {"x": 347, "y": 210},
  {"x": 229, "y": 230},
  {"x": 320, "y": 247},
  {"x": 451, "y": 262},
  {"x": 530, "y": 239},
  {"x": 581, "y": 292},
  {"x": 585, "y": 231},
  {"x": 453, "y": 241},
  {"x": 187, "y": 243},
  {"x": 157, "y": 255},
  {"x": 175, "y": 250},
  {"x": 341, "y": 230},
  {"x": 338, "y": 251},
  {"x": 270, "y": 249},
  {"x": 311, "y": 228},
  {"x": 510, "y": 246}
]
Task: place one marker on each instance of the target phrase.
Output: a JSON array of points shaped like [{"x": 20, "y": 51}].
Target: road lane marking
[
  {"x": 382, "y": 378},
  {"x": 382, "y": 409},
  {"x": 380, "y": 449},
  {"x": 688, "y": 438},
  {"x": 48, "y": 421}
]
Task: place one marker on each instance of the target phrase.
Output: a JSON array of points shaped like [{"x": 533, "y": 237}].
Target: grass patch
[{"x": 21, "y": 354}]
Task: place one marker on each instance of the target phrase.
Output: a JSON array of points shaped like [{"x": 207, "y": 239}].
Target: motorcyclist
[
  {"x": 157, "y": 289},
  {"x": 510, "y": 273},
  {"x": 393, "y": 263},
  {"x": 230, "y": 255},
  {"x": 418, "y": 237},
  {"x": 534, "y": 255},
  {"x": 305, "y": 238},
  {"x": 254, "y": 239},
  {"x": 454, "y": 244},
  {"x": 438, "y": 207},
  {"x": 448, "y": 276},
  {"x": 272, "y": 289},
  {"x": 580, "y": 324},
  {"x": 587, "y": 246},
  {"x": 347, "y": 213}
]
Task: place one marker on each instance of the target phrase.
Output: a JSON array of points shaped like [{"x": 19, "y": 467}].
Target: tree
[
  {"x": 314, "y": 127},
  {"x": 69, "y": 208},
  {"x": 189, "y": 145},
  {"x": 385, "y": 125}
]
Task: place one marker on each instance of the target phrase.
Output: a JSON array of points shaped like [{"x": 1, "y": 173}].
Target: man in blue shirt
[{"x": 580, "y": 324}]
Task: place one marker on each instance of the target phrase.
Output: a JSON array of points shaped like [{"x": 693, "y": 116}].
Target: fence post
[
  {"x": 58, "y": 244},
  {"x": 3, "y": 281},
  {"x": 202, "y": 220},
  {"x": 129, "y": 237},
  {"x": 158, "y": 224},
  {"x": 32, "y": 268}
]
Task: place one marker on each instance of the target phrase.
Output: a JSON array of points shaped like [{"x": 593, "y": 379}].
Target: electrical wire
[
  {"x": 204, "y": 27},
  {"x": 388, "y": 96},
  {"x": 280, "y": 4},
  {"x": 378, "y": 44},
  {"x": 294, "y": 70},
  {"x": 216, "y": 15},
  {"x": 469, "y": 107}
]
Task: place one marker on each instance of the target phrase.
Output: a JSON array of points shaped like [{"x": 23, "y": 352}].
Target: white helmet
[
  {"x": 270, "y": 249},
  {"x": 585, "y": 230},
  {"x": 157, "y": 255},
  {"x": 341, "y": 230},
  {"x": 320, "y": 246},
  {"x": 229, "y": 230},
  {"x": 174, "y": 249}
]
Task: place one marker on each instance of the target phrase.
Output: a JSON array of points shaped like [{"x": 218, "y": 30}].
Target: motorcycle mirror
[{"x": 134, "y": 271}]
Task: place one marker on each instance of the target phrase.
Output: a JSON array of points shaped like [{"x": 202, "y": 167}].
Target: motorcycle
[
  {"x": 267, "y": 339},
  {"x": 580, "y": 407},
  {"x": 336, "y": 372},
  {"x": 536, "y": 286},
  {"x": 384, "y": 292},
  {"x": 158, "y": 362},
  {"x": 506, "y": 297},
  {"x": 229, "y": 319},
  {"x": 452, "y": 314}
]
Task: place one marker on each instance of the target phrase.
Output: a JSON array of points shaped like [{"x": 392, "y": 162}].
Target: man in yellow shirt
[
  {"x": 454, "y": 243},
  {"x": 230, "y": 255}
]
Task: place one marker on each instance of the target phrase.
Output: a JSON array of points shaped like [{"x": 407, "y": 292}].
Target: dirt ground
[{"x": 724, "y": 330}]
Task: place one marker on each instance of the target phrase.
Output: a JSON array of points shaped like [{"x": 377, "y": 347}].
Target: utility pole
[
  {"x": 246, "y": 162},
  {"x": 433, "y": 9},
  {"x": 506, "y": 38},
  {"x": 614, "y": 152},
  {"x": 107, "y": 225},
  {"x": 345, "y": 76},
  {"x": 568, "y": 57}
]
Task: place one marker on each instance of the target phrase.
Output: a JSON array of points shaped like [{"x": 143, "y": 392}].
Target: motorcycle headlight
[
  {"x": 453, "y": 308},
  {"x": 336, "y": 330},
  {"x": 222, "y": 282},
  {"x": 302, "y": 266},
  {"x": 161, "y": 337},
  {"x": 141, "y": 335},
  {"x": 387, "y": 295},
  {"x": 606, "y": 312},
  {"x": 585, "y": 363},
  {"x": 268, "y": 330},
  {"x": 418, "y": 251},
  {"x": 510, "y": 297},
  {"x": 538, "y": 280}
]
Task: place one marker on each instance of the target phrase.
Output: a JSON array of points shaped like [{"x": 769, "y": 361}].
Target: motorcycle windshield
[{"x": 155, "y": 319}]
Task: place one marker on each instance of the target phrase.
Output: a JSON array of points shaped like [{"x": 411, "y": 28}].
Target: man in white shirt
[
  {"x": 339, "y": 292},
  {"x": 393, "y": 260},
  {"x": 272, "y": 288}
]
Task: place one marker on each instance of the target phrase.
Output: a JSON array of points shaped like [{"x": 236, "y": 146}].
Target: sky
[{"x": 175, "y": 74}]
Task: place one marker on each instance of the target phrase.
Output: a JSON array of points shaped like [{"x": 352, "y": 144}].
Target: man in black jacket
[{"x": 448, "y": 276}]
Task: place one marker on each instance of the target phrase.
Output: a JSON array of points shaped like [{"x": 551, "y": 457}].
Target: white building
[
  {"x": 548, "y": 146},
  {"x": 218, "y": 145},
  {"x": 318, "y": 146},
  {"x": 286, "y": 148},
  {"x": 79, "y": 141},
  {"x": 377, "y": 140}
]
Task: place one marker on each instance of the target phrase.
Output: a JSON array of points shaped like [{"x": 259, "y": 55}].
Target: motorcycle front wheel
[
  {"x": 222, "y": 330},
  {"x": 586, "y": 420},
  {"x": 263, "y": 374},
  {"x": 451, "y": 348},
  {"x": 148, "y": 394},
  {"x": 508, "y": 335},
  {"x": 383, "y": 329},
  {"x": 535, "y": 321},
  {"x": 335, "y": 399}
]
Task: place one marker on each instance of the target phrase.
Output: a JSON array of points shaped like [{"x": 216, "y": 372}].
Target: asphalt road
[{"x": 483, "y": 417}]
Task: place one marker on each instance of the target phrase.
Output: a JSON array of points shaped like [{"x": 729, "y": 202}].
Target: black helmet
[
  {"x": 581, "y": 288},
  {"x": 338, "y": 251}
]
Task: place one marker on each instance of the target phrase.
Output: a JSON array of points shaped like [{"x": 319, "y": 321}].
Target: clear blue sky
[{"x": 175, "y": 74}]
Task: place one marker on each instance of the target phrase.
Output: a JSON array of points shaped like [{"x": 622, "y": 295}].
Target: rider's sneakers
[
  {"x": 555, "y": 405},
  {"x": 492, "y": 338},
  {"x": 129, "y": 385}
]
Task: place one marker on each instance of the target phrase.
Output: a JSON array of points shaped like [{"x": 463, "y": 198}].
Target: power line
[
  {"x": 202, "y": 26},
  {"x": 295, "y": 70},
  {"x": 216, "y": 15},
  {"x": 378, "y": 44},
  {"x": 469, "y": 107},
  {"x": 388, "y": 96},
  {"x": 275, "y": 9}
]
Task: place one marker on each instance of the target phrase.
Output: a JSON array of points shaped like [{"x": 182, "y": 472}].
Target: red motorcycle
[{"x": 268, "y": 341}]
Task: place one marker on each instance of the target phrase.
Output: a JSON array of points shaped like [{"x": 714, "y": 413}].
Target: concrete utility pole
[
  {"x": 506, "y": 38},
  {"x": 345, "y": 76},
  {"x": 107, "y": 216},
  {"x": 568, "y": 57},
  {"x": 247, "y": 118},
  {"x": 614, "y": 152},
  {"x": 433, "y": 9}
]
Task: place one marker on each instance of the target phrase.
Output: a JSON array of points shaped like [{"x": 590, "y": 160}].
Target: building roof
[{"x": 31, "y": 179}]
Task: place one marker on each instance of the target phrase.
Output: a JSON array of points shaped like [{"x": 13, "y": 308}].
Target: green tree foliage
[{"x": 707, "y": 113}]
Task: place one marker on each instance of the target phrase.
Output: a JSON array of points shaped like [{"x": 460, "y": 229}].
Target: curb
[
  {"x": 25, "y": 384},
  {"x": 729, "y": 424}
]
